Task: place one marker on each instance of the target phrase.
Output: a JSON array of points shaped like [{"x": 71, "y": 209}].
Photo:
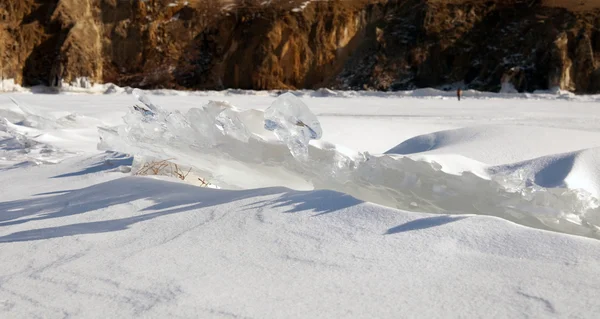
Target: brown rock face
[{"x": 257, "y": 44}]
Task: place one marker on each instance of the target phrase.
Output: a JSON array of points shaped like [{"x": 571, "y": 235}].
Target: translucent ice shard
[
  {"x": 142, "y": 98},
  {"x": 293, "y": 123}
]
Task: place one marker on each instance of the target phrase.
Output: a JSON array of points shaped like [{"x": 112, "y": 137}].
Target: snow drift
[
  {"x": 575, "y": 170},
  {"x": 83, "y": 234},
  {"x": 227, "y": 147},
  {"x": 89, "y": 244},
  {"x": 497, "y": 144}
]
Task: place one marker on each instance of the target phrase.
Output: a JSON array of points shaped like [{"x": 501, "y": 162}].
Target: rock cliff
[{"x": 521, "y": 45}]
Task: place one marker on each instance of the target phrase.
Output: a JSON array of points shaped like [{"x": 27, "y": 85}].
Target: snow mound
[
  {"x": 83, "y": 234},
  {"x": 197, "y": 139},
  {"x": 575, "y": 170},
  {"x": 128, "y": 245},
  {"x": 498, "y": 144}
]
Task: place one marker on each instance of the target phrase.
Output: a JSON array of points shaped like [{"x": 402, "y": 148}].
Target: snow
[
  {"x": 303, "y": 6},
  {"x": 578, "y": 170},
  {"x": 83, "y": 234},
  {"x": 508, "y": 87},
  {"x": 9, "y": 85},
  {"x": 216, "y": 143},
  {"x": 499, "y": 144}
]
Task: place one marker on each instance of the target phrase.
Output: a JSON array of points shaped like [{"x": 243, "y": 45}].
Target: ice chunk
[
  {"x": 142, "y": 98},
  {"x": 203, "y": 121},
  {"x": 230, "y": 124},
  {"x": 293, "y": 123}
]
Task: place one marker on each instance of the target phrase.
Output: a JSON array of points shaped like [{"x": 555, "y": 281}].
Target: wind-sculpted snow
[{"x": 216, "y": 140}]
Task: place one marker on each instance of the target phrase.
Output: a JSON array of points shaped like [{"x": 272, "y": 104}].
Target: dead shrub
[{"x": 167, "y": 168}]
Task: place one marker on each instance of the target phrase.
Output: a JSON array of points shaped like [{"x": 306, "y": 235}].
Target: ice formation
[
  {"x": 20, "y": 149},
  {"x": 293, "y": 123},
  {"x": 141, "y": 97},
  {"x": 222, "y": 145}
]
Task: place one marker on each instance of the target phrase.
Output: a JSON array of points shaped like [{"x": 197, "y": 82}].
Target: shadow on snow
[
  {"x": 107, "y": 164},
  {"x": 168, "y": 197},
  {"x": 424, "y": 223}
]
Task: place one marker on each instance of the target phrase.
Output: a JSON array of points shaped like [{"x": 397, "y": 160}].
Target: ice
[
  {"x": 293, "y": 123},
  {"x": 142, "y": 98},
  {"x": 230, "y": 124},
  {"x": 228, "y": 149}
]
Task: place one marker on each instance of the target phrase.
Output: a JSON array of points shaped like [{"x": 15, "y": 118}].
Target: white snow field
[{"x": 403, "y": 205}]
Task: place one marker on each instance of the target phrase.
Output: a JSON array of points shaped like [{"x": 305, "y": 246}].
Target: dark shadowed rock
[{"x": 254, "y": 44}]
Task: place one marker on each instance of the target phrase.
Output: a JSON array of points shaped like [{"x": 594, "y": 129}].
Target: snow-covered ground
[{"x": 411, "y": 205}]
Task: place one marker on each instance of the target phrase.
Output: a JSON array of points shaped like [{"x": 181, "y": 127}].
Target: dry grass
[{"x": 168, "y": 168}]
